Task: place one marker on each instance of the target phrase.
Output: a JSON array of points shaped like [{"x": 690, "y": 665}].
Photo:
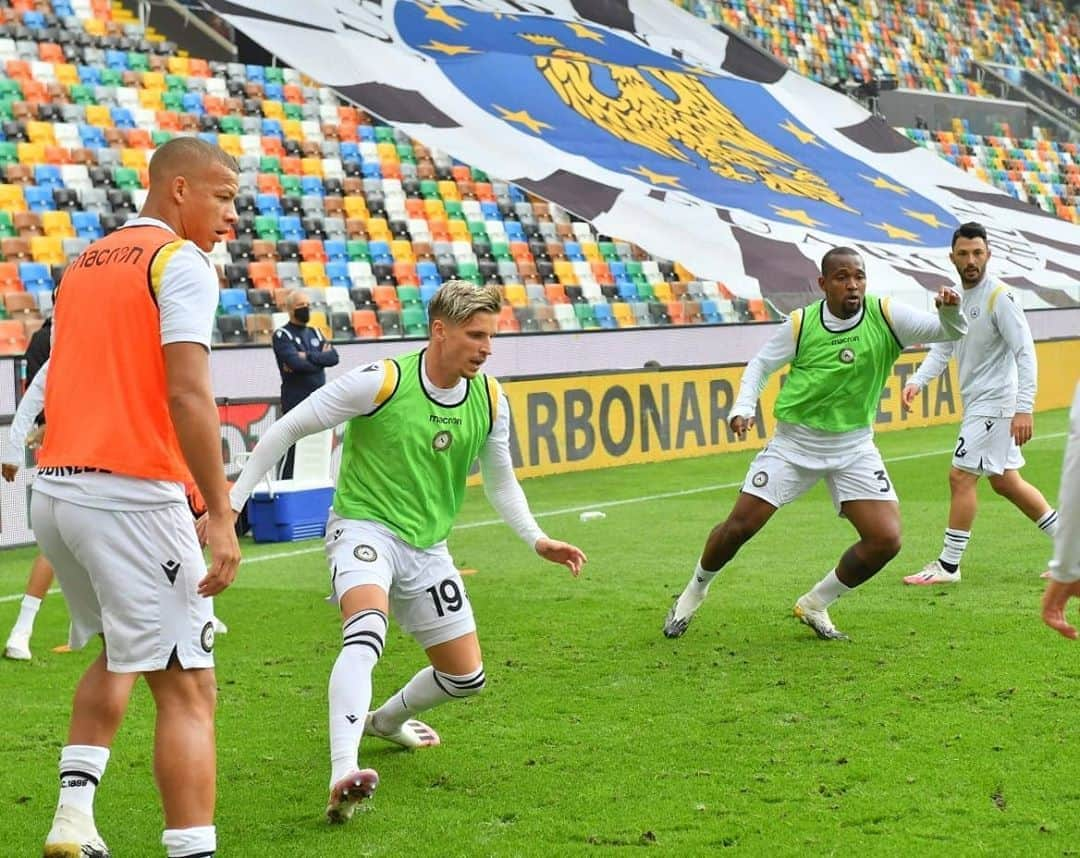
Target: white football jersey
[{"x": 995, "y": 361}]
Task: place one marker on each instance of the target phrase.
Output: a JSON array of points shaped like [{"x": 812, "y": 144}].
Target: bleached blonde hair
[{"x": 457, "y": 301}]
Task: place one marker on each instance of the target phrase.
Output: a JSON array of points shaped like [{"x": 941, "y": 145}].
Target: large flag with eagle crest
[{"x": 661, "y": 130}]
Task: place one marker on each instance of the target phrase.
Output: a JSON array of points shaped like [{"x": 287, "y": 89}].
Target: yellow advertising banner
[{"x": 584, "y": 422}]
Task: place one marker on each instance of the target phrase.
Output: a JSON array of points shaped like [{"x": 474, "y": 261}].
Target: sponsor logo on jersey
[
  {"x": 365, "y": 553},
  {"x": 847, "y": 356},
  {"x": 442, "y": 441},
  {"x": 989, "y": 425},
  {"x": 444, "y": 421},
  {"x": 759, "y": 479},
  {"x": 206, "y": 638},
  {"x": 839, "y": 341}
]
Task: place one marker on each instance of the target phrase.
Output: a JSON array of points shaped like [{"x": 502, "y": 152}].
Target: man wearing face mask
[{"x": 302, "y": 356}]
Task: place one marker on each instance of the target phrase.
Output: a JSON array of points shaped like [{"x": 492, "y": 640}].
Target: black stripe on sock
[
  {"x": 365, "y": 633},
  {"x": 75, "y": 773},
  {"x": 469, "y": 681},
  {"x": 194, "y": 855},
  {"x": 368, "y": 644},
  {"x": 435, "y": 675},
  {"x": 361, "y": 615}
]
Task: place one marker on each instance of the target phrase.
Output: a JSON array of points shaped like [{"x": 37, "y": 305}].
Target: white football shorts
[
  {"x": 427, "y": 596},
  {"x": 986, "y": 446},
  {"x": 130, "y": 575},
  {"x": 779, "y": 478}
]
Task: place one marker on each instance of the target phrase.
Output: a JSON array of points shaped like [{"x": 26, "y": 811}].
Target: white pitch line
[
  {"x": 488, "y": 522},
  {"x": 279, "y": 555},
  {"x": 18, "y": 596}
]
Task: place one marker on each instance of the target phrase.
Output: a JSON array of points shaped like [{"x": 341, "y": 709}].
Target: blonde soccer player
[{"x": 414, "y": 427}]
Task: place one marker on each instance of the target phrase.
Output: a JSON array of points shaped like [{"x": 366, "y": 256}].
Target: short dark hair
[
  {"x": 971, "y": 229},
  {"x": 834, "y": 252}
]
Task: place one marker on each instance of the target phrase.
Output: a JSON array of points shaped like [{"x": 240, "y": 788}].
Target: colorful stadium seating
[{"x": 371, "y": 222}]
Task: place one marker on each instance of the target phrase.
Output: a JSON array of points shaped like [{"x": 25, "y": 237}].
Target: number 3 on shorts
[
  {"x": 886, "y": 485},
  {"x": 446, "y": 596}
]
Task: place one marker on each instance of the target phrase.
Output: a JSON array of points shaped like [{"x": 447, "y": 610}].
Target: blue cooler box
[{"x": 290, "y": 510}]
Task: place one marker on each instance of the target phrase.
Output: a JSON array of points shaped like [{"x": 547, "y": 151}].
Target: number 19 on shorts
[{"x": 446, "y": 596}]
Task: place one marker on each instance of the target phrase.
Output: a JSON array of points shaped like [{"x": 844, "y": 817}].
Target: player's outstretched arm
[
  {"x": 353, "y": 394},
  {"x": 913, "y": 326},
  {"x": 778, "y": 351},
  {"x": 570, "y": 556}
]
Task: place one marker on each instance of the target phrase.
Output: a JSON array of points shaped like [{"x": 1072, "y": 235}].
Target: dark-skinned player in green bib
[{"x": 841, "y": 351}]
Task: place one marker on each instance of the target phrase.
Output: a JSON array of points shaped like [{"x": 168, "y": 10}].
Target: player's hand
[
  {"x": 947, "y": 297},
  {"x": 36, "y": 437},
  {"x": 570, "y": 556},
  {"x": 908, "y": 396},
  {"x": 9, "y": 472},
  {"x": 741, "y": 425},
  {"x": 1022, "y": 427},
  {"x": 224, "y": 554},
  {"x": 1054, "y": 602},
  {"x": 302, "y": 355}
]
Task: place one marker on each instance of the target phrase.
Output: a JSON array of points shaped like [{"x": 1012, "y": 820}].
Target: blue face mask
[{"x": 302, "y": 315}]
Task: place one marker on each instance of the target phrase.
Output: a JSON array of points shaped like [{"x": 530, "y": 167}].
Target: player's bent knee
[
  {"x": 192, "y": 692},
  {"x": 962, "y": 481},
  {"x": 462, "y": 686},
  {"x": 1004, "y": 484},
  {"x": 366, "y": 632}
]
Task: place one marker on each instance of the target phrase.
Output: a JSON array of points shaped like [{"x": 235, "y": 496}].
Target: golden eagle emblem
[{"x": 694, "y": 120}]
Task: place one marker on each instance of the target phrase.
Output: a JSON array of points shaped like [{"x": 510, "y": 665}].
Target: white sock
[
  {"x": 1048, "y": 524},
  {"x": 81, "y": 768},
  {"x": 427, "y": 689},
  {"x": 198, "y": 842},
  {"x": 956, "y": 542},
  {"x": 363, "y": 635},
  {"x": 24, "y": 624},
  {"x": 701, "y": 579},
  {"x": 827, "y": 590}
]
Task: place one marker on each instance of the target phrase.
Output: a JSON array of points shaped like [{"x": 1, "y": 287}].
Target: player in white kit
[
  {"x": 997, "y": 372},
  {"x": 1065, "y": 567}
]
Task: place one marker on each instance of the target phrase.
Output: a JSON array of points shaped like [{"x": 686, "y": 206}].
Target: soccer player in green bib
[
  {"x": 414, "y": 427},
  {"x": 841, "y": 350}
]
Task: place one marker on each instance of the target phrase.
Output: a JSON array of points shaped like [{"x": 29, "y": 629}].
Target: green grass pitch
[{"x": 947, "y": 727}]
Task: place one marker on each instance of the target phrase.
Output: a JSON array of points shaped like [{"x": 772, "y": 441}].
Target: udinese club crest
[
  {"x": 442, "y": 441},
  {"x": 847, "y": 356}
]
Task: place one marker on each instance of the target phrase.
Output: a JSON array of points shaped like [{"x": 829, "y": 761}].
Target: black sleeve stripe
[{"x": 491, "y": 406}]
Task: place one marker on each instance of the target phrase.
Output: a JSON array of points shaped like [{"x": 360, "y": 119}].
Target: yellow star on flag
[
  {"x": 522, "y": 117},
  {"x": 544, "y": 41},
  {"x": 931, "y": 220},
  {"x": 449, "y": 50},
  {"x": 896, "y": 231},
  {"x": 798, "y": 215},
  {"x": 583, "y": 32},
  {"x": 802, "y": 134},
  {"x": 654, "y": 178},
  {"x": 438, "y": 13},
  {"x": 883, "y": 184}
]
